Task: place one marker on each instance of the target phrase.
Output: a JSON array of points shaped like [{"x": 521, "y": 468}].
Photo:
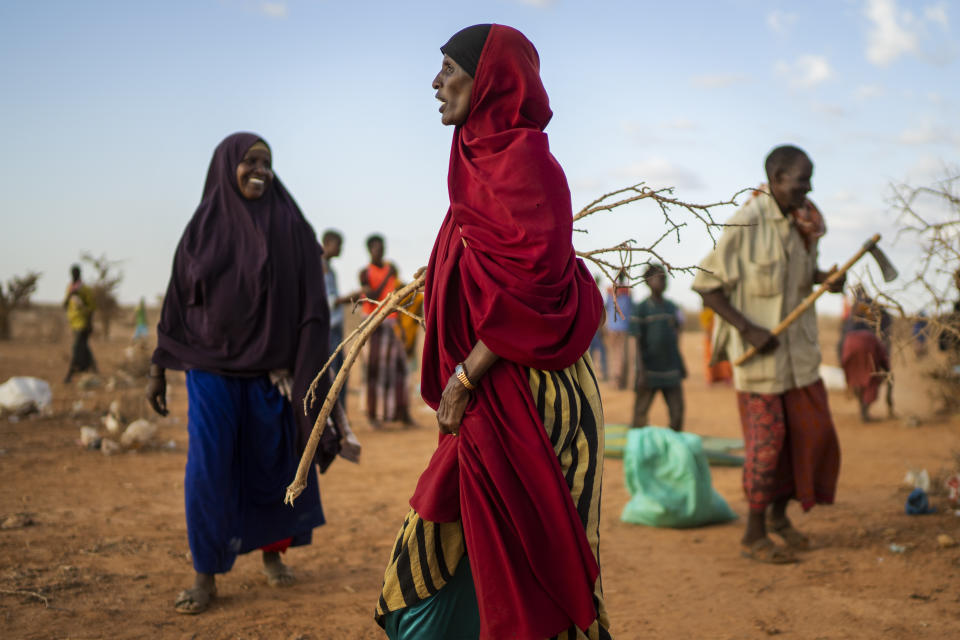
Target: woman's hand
[
  {"x": 157, "y": 390},
  {"x": 453, "y": 403}
]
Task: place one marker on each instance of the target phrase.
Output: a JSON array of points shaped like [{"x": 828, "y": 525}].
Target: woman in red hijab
[{"x": 514, "y": 484}]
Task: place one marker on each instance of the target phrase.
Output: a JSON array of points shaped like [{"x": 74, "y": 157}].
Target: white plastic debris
[
  {"x": 21, "y": 395},
  {"x": 833, "y": 378},
  {"x": 917, "y": 480},
  {"x": 138, "y": 433},
  {"x": 89, "y": 437},
  {"x": 109, "y": 447}
]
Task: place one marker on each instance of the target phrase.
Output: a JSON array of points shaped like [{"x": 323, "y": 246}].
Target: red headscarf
[{"x": 503, "y": 270}]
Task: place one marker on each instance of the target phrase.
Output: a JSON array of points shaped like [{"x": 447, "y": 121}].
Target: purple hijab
[{"x": 247, "y": 294}]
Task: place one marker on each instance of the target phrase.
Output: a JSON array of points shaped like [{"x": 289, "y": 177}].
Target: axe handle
[{"x": 810, "y": 299}]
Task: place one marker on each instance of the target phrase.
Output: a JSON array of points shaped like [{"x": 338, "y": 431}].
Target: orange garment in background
[
  {"x": 406, "y": 327},
  {"x": 721, "y": 371},
  {"x": 375, "y": 277}
]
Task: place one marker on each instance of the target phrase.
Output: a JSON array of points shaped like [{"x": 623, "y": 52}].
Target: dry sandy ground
[{"x": 107, "y": 550}]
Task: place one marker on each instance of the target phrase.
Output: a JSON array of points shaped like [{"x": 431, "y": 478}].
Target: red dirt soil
[{"x": 107, "y": 550}]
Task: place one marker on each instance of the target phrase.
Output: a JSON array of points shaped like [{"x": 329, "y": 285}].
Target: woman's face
[
  {"x": 254, "y": 174},
  {"x": 454, "y": 86}
]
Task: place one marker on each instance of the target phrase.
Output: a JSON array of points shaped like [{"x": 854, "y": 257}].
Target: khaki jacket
[{"x": 766, "y": 271}]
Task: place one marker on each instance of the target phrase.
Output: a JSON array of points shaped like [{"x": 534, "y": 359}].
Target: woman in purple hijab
[{"x": 246, "y": 316}]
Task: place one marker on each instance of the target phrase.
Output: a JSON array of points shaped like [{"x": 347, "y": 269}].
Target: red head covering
[{"x": 503, "y": 270}]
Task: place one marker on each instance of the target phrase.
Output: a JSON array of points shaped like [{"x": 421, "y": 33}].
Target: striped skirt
[
  {"x": 427, "y": 555},
  {"x": 386, "y": 375}
]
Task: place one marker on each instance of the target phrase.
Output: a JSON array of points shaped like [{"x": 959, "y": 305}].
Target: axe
[{"x": 870, "y": 246}]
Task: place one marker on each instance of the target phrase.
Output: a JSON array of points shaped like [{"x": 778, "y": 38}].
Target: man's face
[
  {"x": 791, "y": 184},
  {"x": 657, "y": 281},
  {"x": 376, "y": 251},
  {"x": 331, "y": 248}
]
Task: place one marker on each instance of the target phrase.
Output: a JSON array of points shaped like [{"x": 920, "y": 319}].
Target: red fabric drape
[
  {"x": 503, "y": 270},
  {"x": 865, "y": 361}
]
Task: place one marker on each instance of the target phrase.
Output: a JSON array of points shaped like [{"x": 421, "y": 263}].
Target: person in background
[
  {"x": 762, "y": 267},
  {"x": 714, "y": 371},
  {"x": 619, "y": 306},
  {"x": 656, "y": 323},
  {"x": 387, "y": 399},
  {"x": 598, "y": 349},
  {"x": 918, "y": 331},
  {"x": 140, "y": 319},
  {"x": 332, "y": 242},
  {"x": 80, "y": 305},
  {"x": 865, "y": 351}
]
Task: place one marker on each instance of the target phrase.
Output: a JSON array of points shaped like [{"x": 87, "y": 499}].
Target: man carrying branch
[{"x": 762, "y": 267}]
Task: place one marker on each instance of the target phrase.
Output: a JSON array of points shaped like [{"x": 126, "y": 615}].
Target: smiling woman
[
  {"x": 246, "y": 316},
  {"x": 254, "y": 175}
]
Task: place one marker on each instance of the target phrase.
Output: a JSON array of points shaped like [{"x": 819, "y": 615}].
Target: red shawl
[{"x": 503, "y": 270}]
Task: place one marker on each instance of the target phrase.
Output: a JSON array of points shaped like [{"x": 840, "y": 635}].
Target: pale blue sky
[{"x": 111, "y": 110}]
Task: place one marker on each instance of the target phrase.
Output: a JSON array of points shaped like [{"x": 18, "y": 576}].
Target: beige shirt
[{"x": 766, "y": 271}]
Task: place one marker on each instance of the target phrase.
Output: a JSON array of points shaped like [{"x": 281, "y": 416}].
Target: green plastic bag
[{"x": 669, "y": 478}]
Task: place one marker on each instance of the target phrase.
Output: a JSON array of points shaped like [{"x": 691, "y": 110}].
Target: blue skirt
[{"x": 241, "y": 458}]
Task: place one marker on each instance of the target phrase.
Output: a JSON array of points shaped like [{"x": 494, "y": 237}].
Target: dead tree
[
  {"x": 104, "y": 288},
  {"x": 929, "y": 218},
  {"x": 16, "y": 296}
]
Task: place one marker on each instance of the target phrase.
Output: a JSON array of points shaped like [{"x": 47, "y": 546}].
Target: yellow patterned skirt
[{"x": 427, "y": 554}]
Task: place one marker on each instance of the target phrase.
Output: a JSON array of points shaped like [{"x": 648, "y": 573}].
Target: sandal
[
  {"x": 193, "y": 601},
  {"x": 793, "y": 538},
  {"x": 764, "y": 550}
]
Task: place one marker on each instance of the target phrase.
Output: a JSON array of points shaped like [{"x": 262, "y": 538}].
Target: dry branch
[
  {"x": 390, "y": 304},
  {"x": 31, "y": 594},
  {"x": 611, "y": 261}
]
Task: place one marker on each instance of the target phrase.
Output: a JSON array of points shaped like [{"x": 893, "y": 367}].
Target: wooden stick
[
  {"x": 387, "y": 306},
  {"x": 810, "y": 299}
]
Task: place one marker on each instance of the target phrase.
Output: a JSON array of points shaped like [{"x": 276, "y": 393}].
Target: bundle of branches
[
  {"x": 16, "y": 296},
  {"x": 622, "y": 259}
]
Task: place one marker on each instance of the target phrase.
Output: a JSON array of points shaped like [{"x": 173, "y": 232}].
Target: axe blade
[{"x": 886, "y": 267}]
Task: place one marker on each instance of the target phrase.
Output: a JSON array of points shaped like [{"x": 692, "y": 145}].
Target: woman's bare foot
[
  {"x": 278, "y": 574},
  {"x": 197, "y": 598}
]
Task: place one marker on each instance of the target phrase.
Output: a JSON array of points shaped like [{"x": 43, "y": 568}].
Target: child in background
[{"x": 656, "y": 322}]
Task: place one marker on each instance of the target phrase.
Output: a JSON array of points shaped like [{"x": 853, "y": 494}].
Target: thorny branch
[
  {"x": 619, "y": 262},
  {"x": 928, "y": 218},
  {"x": 612, "y": 261}
]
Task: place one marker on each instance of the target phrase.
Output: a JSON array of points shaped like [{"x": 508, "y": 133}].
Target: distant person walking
[
  {"x": 865, "y": 352},
  {"x": 80, "y": 305},
  {"x": 619, "y": 306},
  {"x": 387, "y": 399},
  {"x": 140, "y": 318},
  {"x": 598, "y": 347},
  {"x": 657, "y": 322},
  {"x": 332, "y": 242}
]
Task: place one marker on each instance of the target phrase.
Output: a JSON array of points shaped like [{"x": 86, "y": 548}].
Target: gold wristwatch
[{"x": 461, "y": 374}]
